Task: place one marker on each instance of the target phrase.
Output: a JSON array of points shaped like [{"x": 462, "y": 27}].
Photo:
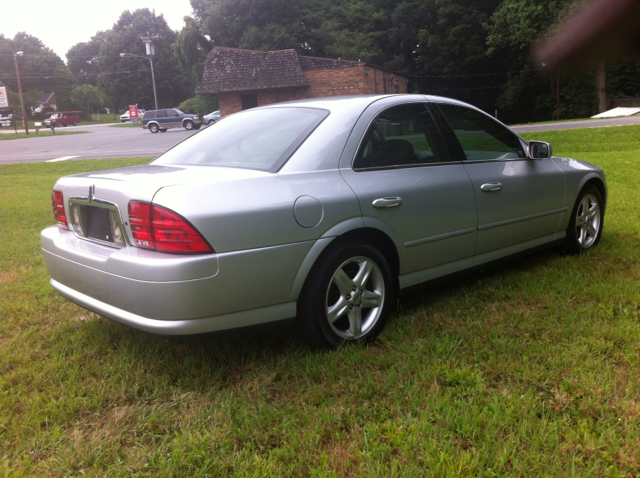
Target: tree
[
  {"x": 127, "y": 80},
  {"x": 528, "y": 94},
  {"x": 82, "y": 59},
  {"x": 191, "y": 49},
  {"x": 38, "y": 65},
  {"x": 88, "y": 99}
]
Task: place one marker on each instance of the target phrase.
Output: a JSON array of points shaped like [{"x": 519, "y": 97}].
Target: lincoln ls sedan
[{"x": 316, "y": 212}]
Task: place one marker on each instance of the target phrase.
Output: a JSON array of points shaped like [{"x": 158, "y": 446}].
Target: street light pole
[
  {"x": 153, "y": 77},
  {"x": 24, "y": 112}
]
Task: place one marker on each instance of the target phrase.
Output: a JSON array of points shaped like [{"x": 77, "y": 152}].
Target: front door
[
  {"x": 519, "y": 199},
  {"x": 407, "y": 187}
]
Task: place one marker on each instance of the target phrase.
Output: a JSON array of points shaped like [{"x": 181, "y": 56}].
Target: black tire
[
  {"x": 188, "y": 125},
  {"x": 154, "y": 128},
  {"x": 75, "y": 123},
  {"x": 347, "y": 297},
  {"x": 586, "y": 222},
  {"x": 210, "y": 122}
]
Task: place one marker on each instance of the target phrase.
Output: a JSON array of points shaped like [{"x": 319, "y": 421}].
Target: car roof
[{"x": 357, "y": 102}]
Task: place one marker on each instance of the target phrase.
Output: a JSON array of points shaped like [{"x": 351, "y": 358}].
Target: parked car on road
[
  {"x": 63, "y": 118},
  {"x": 124, "y": 117},
  {"x": 161, "y": 120},
  {"x": 211, "y": 117},
  {"x": 317, "y": 211}
]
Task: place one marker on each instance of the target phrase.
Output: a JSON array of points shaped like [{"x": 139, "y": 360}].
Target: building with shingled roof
[{"x": 245, "y": 79}]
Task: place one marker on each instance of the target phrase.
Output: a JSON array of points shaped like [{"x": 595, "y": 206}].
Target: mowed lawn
[{"x": 528, "y": 369}]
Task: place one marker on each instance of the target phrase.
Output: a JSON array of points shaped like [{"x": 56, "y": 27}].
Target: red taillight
[
  {"x": 140, "y": 220},
  {"x": 57, "y": 201},
  {"x": 155, "y": 227}
]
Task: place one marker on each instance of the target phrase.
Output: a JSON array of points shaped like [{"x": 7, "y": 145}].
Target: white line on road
[{"x": 63, "y": 158}]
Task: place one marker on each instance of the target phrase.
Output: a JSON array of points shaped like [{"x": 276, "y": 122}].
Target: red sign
[{"x": 133, "y": 112}]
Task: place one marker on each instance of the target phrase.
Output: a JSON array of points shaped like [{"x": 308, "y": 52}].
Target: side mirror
[{"x": 540, "y": 150}]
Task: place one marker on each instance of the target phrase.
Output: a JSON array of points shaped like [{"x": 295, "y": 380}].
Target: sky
[{"x": 62, "y": 24}]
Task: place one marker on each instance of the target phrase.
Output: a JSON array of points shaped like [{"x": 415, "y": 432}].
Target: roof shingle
[{"x": 232, "y": 69}]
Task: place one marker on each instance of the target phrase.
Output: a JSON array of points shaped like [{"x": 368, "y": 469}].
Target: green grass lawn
[{"x": 529, "y": 369}]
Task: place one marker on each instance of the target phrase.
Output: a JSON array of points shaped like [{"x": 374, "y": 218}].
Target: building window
[{"x": 249, "y": 100}]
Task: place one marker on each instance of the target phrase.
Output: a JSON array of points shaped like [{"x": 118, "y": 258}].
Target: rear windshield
[{"x": 254, "y": 139}]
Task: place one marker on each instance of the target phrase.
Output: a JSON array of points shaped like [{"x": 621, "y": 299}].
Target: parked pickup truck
[{"x": 63, "y": 118}]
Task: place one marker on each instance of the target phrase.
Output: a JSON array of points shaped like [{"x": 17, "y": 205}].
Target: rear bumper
[
  {"x": 174, "y": 295},
  {"x": 179, "y": 327}
]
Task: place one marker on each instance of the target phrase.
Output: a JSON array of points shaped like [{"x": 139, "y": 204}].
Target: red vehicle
[{"x": 63, "y": 118}]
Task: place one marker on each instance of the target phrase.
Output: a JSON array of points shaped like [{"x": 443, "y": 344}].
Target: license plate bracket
[{"x": 97, "y": 225}]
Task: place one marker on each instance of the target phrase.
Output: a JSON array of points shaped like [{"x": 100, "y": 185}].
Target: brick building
[{"x": 247, "y": 78}]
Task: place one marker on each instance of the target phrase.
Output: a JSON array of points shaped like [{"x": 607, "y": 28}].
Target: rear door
[
  {"x": 408, "y": 187},
  {"x": 520, "y": 200}
]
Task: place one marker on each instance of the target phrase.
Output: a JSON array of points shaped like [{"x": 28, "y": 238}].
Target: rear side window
[
  {"x": 481, "y": 137},
  {"x": 149, "y": 115},
  {"x": 403, "y": 135},
  {"x": 161, "y": 114},
  {"x": 262, "y": 139}
]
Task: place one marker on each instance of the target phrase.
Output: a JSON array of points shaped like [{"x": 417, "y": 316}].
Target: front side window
[
  {"x": 256, "y": 139},
  {"x": 481, "y": 137},
  {"x": 173, "y": 113},
  {"x": 403, "y": 135}
]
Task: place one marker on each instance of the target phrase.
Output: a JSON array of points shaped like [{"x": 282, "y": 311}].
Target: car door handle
[
  {"x": 387, "y": 202},
  {"x": 490, "y": 187}
]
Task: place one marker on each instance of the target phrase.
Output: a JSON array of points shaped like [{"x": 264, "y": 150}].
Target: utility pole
[
  {"x": 148, "y": 43},
  {"x": 24, "y": 112}
]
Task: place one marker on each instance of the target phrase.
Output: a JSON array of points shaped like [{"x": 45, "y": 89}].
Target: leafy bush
[{"x": 201, "y": 104}]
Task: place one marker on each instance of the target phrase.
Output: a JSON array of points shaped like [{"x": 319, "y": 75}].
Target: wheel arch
[
  {"x": 325, "y": 245},
  {"x": 574, "y": 190},
  {"x": 598, "y": 183}
]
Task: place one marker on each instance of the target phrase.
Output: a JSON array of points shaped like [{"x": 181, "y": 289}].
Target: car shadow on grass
[{"x": 224, "y": 359}]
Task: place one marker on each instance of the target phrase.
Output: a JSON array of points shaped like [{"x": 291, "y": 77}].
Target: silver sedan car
[{"x": 316, "y": 211}]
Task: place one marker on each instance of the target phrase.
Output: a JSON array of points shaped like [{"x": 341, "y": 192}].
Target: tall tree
[
  {"x": 82, "y": 59},
  {"x": 41, "y": 70},
  {"x": 191, "y": 49},
  {"x": 127, "y": 80}
]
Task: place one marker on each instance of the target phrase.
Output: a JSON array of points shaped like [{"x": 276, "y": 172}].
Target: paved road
[
  {"x": 104, "y": 141},
  {"x": 101, "y": 141},
  {"x": 594, "y": 123}
]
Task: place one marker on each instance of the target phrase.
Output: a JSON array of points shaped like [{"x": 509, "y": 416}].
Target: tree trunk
[{"x": 601, "y": 76}]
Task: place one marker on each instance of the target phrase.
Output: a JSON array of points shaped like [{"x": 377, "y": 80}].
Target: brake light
[
  {"x": 158, "y": 228},
  {"x": 57, "y": 201}
]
